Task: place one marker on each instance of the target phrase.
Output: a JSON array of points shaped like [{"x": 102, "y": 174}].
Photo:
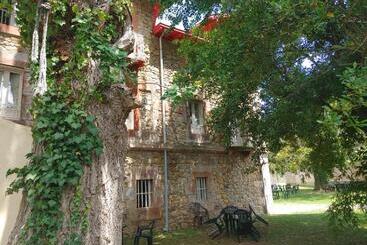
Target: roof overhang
[{"x": 169, "y": 33}]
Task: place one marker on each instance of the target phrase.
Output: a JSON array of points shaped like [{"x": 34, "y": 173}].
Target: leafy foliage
[
  {"x": 68, "y": 138},
  {"x": 65, "y": 136},
  {"x": 347, "y": 116},
  {"x": 273, "y": 66},
  {"x": 291, "y": 158}
]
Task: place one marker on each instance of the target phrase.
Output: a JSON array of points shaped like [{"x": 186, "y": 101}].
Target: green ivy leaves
[{"x": 69, "y": 140}]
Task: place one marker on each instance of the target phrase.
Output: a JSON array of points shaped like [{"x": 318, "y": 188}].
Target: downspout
[{"x": 164, "y": 131}]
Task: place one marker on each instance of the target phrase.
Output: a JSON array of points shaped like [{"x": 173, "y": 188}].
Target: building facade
[
  {"x": 199, "y": 170},
  {"x": 171, "y": 156},
  {"x": 15, "y": 92}
]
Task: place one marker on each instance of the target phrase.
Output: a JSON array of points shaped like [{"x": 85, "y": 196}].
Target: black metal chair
[
  {"x": 257, "y": 217},
  {"x": 201, "y": 214},
  {"x": 146, "y": 232},
  {"x": 216, "y": 225},
  {"x": 245, "y": 220},
  {"x": 244, "y": 225},
  {"x": 229, "y": 219}
]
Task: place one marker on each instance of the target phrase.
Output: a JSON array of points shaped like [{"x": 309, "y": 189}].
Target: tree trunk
[
  {"x": 102, "y": 182},
  {"x": 100, "y": 192},
  {"x": 320, "y": 180}
]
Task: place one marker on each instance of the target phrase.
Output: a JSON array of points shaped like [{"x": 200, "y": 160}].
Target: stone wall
[{"x": 229, "y": 183}]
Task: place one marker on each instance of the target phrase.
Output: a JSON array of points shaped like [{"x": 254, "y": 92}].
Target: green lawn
[
  {"x": 307, "y": 195},
  {"x": 298, "y": 229}
]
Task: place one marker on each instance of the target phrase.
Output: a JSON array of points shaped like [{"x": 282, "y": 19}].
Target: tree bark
[
  {"x": 102, "y": 182},
  {"x": 320, "y": 180}
]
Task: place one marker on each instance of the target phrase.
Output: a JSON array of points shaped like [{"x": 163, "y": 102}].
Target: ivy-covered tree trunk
[
  {"x": 73, "y": 185},
  {"x": 96, "y": 218},
  {"x": 102, "y": 182}
]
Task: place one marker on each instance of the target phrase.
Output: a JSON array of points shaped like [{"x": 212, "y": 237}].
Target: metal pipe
[{"x": 164, "y": 129}]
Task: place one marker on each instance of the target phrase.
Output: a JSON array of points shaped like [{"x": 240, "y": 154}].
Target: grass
[
  {"x": 307, "y": 195},
  {"x": 287, "y": 229},
  {"x": 304, "y": 229}
]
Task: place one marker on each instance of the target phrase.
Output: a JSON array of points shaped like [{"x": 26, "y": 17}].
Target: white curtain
[{"x": 9, "y": 89}]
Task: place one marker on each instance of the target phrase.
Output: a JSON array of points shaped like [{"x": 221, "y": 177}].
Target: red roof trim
[{"x": 170, "y": 33}]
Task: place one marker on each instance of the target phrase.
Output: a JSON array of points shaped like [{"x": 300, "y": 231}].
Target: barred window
[
  {"x": 144, "y": 193},
  {"x": 201, "y": 188}
]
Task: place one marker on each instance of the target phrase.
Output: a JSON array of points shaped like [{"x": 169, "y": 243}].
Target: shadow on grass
[
  {"x": 304, "y": 229},
  {"x": 294, "y": 229}
]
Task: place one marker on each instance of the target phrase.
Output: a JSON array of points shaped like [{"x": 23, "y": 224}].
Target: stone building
[
  {"x": 199, "y": 170},
  {"x": 171, "y": 156}
]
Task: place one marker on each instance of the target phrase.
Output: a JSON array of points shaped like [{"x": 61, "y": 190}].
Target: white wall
[{"x": 15, "y": 143}]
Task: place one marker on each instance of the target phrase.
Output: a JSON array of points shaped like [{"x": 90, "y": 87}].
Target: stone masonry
[{"x": 228, "y": 181}]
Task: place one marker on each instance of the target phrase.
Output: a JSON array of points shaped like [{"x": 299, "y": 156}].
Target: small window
[
  {"x": 130, "y": 122},
  {"x": 197, "y": 117},
  {"x": 201, "y": 188},
  {"x": 10, "y": 94},
  {"x": 5, "y": 15},
  {"x": 144, "y": 193}
]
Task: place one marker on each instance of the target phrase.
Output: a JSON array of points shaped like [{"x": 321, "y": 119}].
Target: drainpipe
[{"x": 164, "y": 129}]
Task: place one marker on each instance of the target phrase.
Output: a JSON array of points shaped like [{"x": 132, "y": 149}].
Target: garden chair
[
  {"x": 245, "y": 223},
  {"x": 146, "y": 232},
  {"x": 256, "y": 217},
  {"x": 229, "y": 219},
  {"x": 216, "y": 225},
  {"x": 201, "y": 214},
  {"x": 275, "y": 191}
]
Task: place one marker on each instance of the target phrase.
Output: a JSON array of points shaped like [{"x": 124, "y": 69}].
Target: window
[
  {"x": 10, "y": 94},
  {"x": 5, "y": 15},
  {"x": 197, "y": 117},
  {"x": 201, "y": 188},
  {"x": 144, "y": 193},
  {"x": 130, "y": 122}
]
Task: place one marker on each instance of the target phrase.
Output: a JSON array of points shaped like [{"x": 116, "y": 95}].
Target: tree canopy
[{"x": 281, "y": 71}]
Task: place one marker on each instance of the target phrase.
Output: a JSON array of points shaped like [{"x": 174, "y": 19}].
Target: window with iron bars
[
  {"x": 144, "y": 193},
  {"x": 201, "y": 189}
]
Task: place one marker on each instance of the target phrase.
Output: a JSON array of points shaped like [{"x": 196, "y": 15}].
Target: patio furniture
[
  {"x": 245, "y": 220},
  {"x": 229, "y": 219},
  {"x": 122, "y": 235},
  {"x": 201, "y": 214},
  {"x": 257, "y": 217},
  {"x": 275, "y": 190},
  {"x": 146, "y": 232},
  {"x": 216, "y": 225}
]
